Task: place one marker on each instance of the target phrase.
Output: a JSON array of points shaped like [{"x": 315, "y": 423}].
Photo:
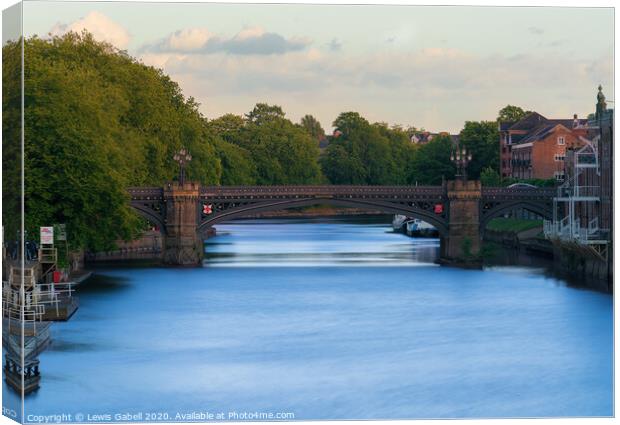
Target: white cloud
[
  {"x": 248, "y": 41},
  {"x": 249, "y": 32},
  {"x": 102, "y": 28},
  {"x": 398, "y": 87},
  {"x": 189, "y": 39}
]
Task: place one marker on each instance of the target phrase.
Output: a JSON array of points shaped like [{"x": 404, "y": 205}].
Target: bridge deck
[{"x": 498, "y": 193}]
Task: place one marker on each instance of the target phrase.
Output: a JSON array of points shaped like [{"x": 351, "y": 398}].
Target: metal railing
[
  {"x": 567, "y": 231},
  {"x": 34, "y": 302},
  {"x": 574, "y": 191}
]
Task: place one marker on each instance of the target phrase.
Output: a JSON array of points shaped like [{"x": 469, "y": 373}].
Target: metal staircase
[{"x": 579, "y": 197}]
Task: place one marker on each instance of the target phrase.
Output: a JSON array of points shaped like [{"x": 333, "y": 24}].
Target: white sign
[{"x": 47, "y": 236}]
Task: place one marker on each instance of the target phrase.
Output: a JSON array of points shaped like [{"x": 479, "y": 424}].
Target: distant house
[
  {"x": 423, "y": 137},
  {"x": 535, "y": 147}
]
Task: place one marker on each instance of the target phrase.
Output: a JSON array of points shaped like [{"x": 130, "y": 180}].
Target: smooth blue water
[{"x": 330, "y": 319}]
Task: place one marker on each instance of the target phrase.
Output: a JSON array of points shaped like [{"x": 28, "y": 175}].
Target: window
[
  {"x": 559, "y": 157},
  {"x": 559, "y": 176},
  {"x": 561, "y": 140}
]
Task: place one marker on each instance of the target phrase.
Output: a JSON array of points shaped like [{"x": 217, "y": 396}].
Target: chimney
[{"x": 575, "y": 121}]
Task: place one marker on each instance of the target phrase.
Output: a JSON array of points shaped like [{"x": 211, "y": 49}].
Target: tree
[
  {"x": 238, "y": 168},
  {"x": 312, "y": 126},
  {"x": 263, "y": 113},
  {"x": 11, "y": 139},
  {"x": 96, "y": 122},
  {"x": 342, "y": 168},
  {"x": 431, "y": 162},
  {"x": 490, "y": 177},
  {"x": 481, "y": 138},
  {"x": 228, "y": 127},
  {"x": 510, "y": 113},
  {"x": 402, "y": 152},
  {"x": 369, "y": 153},
  {"x": 283, "y": 152}
]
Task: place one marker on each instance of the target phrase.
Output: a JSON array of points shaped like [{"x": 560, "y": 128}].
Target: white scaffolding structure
[{"x": 576, "y": 208}]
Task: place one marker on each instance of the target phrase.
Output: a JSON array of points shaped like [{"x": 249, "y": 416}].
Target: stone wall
[
  {"x": 582, "y": 266},
  {"x": 148, "y": 246}
]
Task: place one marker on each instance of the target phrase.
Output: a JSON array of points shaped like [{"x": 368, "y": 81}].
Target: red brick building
[{"x": 535, "y": 147}]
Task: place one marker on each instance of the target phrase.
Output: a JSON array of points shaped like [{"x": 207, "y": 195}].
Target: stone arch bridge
[{"x": 460, "y": 210}]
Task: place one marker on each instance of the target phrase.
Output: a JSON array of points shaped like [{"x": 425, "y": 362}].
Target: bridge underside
[{"x": 422, "y": 210}]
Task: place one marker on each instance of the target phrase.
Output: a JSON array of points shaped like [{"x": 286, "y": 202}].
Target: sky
[{"x": 432, "y": 67}]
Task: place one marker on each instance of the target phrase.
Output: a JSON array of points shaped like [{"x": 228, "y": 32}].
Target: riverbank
[
  {"x": 509, "y": 241},
  {"x": 519, "y": 234}
]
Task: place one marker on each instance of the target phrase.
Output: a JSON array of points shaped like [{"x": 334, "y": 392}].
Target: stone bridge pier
[
  {"x": 183, "y": 245},
  {"x": 462, "y": 243}
]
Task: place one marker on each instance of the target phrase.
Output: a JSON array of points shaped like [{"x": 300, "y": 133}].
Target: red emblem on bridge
[
  {"x": 438, "y": 208},
  {"x": 207, "y": 208}
]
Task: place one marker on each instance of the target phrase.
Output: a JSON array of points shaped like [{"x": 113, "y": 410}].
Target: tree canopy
[
  {"x": 365, "y": 153},
  {"x": 98, "y": 121},
  {"x": 431, "y": 163},
  {"x": 312, "y": 126},
  {"x": 481, "y": 138},
  {"x": 510, "y": 113}
]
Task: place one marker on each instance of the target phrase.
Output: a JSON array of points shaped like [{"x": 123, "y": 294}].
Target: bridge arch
[
  {"x": 543, "y": 210},
  {"x": 439, "y": 221},
  {"x": 152, "y": 216}
]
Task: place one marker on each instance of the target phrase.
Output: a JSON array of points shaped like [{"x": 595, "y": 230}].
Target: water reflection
[{"x": 255, "y": 243}]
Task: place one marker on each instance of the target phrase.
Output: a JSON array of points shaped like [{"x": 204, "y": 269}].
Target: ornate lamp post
[
  {"x": 461, "y": 158},
  {"x": 182, "y": 157}
]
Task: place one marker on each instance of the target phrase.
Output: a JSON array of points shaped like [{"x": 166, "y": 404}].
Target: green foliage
[
  {"x": 342, "y": 168},
  {"x": 366, "y": 154},
  {"x": 490, "y": 177},
  {"x": 98, "y": 121},
  {"x": 11, "y": 139},
  {"x": 431, "y": 162},
  {"x": 488, "y": 250},
  {"x": 514, "y": 225},
  {"x": 312, "y": 126},
  {"x": 466, "y": 248},
  {"x": 510, "y": 113},
  {"x": 228, "y": 127},
  {"x": 238, "y": 168},
  {"x": 265, "y": 148},
  {"x": 481, "y": 138},
  {"x": 283, "y": 152},
  {"x": 402, "y": 152},
  {"x": 263, "y": 113}
]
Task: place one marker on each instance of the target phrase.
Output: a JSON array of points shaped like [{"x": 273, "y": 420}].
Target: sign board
[
  {"x": 47, "y": 236},
  {"x": 62, "y": 232}
]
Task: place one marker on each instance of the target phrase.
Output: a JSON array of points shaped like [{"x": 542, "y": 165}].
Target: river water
[{"x": 328, "y": 319}]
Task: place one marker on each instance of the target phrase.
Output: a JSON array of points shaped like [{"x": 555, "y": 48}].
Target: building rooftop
[
  {"x": 535, "y": 126},
  {"x": 423, "y": 137}
]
